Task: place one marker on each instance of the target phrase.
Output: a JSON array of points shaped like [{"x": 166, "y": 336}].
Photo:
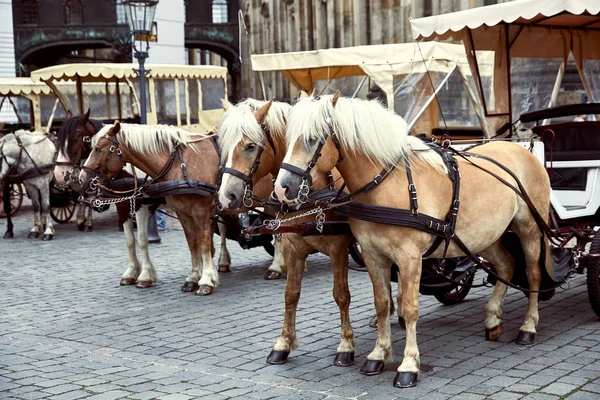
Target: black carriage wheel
[
  {"x": 62, "y": 215},
  {"x": 593, "y": 275},
  {"x": 16, "y": 199},
  {"x": 356, "y": 254},
  {"x": 269, "y": 248},
  {"x": 457, "y": 294}
]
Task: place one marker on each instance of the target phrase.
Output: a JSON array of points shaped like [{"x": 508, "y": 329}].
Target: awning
[
  {"x": 22, "y": 87},
  {"x": 548, "y": 28},
  {"x": 109, "y": 72}
]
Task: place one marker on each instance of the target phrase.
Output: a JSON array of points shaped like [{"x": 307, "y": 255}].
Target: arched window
[
  {"x": 30, "y": 13},
  {"x": 219, "y": 12},
  {"x": 74, "y": 12}
]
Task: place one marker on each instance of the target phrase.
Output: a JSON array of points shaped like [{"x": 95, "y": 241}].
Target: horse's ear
[
  {"x": 69, "y": 114},
  {"x": 303, "y": 94},
  {"x": 85, "y": 117},
  {"x": 335, "y": 98},
  {"x": 226, "y": 104},
  {"x": 261, "y": 113},
  {"x": 115, "y": 129}
]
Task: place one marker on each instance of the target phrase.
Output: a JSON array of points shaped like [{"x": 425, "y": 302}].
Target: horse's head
[
  {"x": 106, "y": 158},
  {"x": 74, "y": 143},
  {"x": 248, "y": 151},
  {"x": 313, "y": 147}
]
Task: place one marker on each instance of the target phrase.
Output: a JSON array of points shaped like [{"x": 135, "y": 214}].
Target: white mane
[
  {"x": 363, "y": 126},
  {"x": 239, "y": 121},
  {"x": 148, "y": 138}
]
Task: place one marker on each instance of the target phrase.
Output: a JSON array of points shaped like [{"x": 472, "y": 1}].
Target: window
[
  {"x": 74, "y": 12},
  {"x": 121, "y": 14},
  {"x": 427, "y": 8},
  {"x": 30, "y": 12},
  {"x": 219, "y": 12}
]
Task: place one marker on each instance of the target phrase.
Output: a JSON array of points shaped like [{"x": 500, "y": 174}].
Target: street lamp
[{"x": 140, "y": 17}]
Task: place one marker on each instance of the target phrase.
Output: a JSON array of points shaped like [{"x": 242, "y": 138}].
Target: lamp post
[{"x": 140, "y": 17}]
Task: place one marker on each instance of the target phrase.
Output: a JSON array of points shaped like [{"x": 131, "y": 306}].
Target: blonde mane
[
  {"x": 148, "y": 138},
  {"x": 239, "y": 121},
  {"x": 362, "y": 126}
]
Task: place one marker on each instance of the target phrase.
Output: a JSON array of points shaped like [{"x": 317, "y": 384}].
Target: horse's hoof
[
  {"x": 272, "y": 275},
  {"x": 525, "y": 338},
  {"x": 143, "y": 284},
  {"x": 127, "y": 281},
  {"x": 224, "y": 268},
  {"x": 373, "y": 321},
  {"x": 189, "y": 287},
  {"x": 402, "y": 323},
  {"x": 372, "y": 367},
  {"x": 277, "y": 357},
  {"x": 81, "y": 227},
  {"x": 47, "y": 236},
  {"x": 494, "y": 333},
  {"x": 88, "y": 228},
  {"x": 33, "y": 235},
  {"x": 344, "y": 359},
  {"x": 9, "y": 235},
  {"x": 204, "y": 290},
  {"x": 405, "y": 379}
]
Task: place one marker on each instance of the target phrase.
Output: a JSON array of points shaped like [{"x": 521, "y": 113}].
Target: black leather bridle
[{"x": 113, "y": 149}]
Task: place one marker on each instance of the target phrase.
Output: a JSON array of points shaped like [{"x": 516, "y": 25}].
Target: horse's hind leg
[
  {"x": 191, "y": 282},
  {"x": 503, "y": 263},
  {"x": 341, "y": 294},
  {"x": 531, "y": 237},
  {"x": 224, "y": 257},
  {"x": 88, "y": 219},
  {"x": 204, "y": 233},
  {"x": 80, "y": 217},
  {"x": 296, "y": 253},
  {"x": 34, "y": 195},
  {"x": 148, "y": 275}
]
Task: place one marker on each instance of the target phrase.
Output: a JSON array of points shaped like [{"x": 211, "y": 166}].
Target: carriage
[
  {"x": 546, "y": 61},
  {"x": 36, "y": 108},
  {"x": 418, "y": 82}
]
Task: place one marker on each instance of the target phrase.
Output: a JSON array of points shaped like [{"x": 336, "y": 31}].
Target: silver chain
[{"x": 274, "y": 224}]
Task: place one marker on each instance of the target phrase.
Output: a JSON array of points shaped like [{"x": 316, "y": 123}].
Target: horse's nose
[{"x": 232, "y": 197}]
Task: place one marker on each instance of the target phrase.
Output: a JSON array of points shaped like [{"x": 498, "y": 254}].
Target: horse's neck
[
  {"x": 150, "y": 164},
  {"x": 356, "y": 177}
]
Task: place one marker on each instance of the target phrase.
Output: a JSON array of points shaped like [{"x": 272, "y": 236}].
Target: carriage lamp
[{"x": 140, "y": 17}]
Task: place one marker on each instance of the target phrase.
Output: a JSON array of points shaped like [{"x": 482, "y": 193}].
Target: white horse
[{"x": 30, "y": 157}]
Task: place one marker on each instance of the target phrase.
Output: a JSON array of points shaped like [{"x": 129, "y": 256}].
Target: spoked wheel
[
  {"x": 16, "y": 199},
  {"x": 593, "y": 275},
  {"x": 356, "y": 254},
  {"x": 458, "y": 294},
  {"x": 62, "y": 215}
]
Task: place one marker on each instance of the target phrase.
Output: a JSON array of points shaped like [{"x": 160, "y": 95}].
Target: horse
[
  {"x": 30, "y": 157},
  {"x": 253, "y": 141},
  {"x": 154, "y": 150},
  {"x": 377, "y": 153}
]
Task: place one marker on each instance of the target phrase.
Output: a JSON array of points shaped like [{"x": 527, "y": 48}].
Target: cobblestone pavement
[{"x": 69, "y": 331}]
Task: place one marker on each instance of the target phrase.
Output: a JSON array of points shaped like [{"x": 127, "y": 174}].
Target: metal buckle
[
  {"x": 247, "y": 198},
  {"x": 112, "y": 148},
  {"x": 304, "y": 191}
]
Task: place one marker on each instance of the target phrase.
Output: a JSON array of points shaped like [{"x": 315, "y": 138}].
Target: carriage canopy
[{"x": 180, "y": 95}]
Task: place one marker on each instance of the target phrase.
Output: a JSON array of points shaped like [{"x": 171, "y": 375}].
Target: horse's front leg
[
  {"x": 224, "y": 257},
  {"x": 34, "y": 195},
  {"x": 409, "y": 277},
  {"x": 379, "y": 272},
  {"x": 46, "y": 220},
  {"x": 80, "y": 218},
  {"x": 210, "y": 277},
  {"x": 7, "y": 210},
  {"x": 148, "y": 275},
  {"x": 278, "y": 266},
  {"x": 88, "y": 219},
  {"x": 296, "y": 253},
  {"x": 341, "y": 293},
  {"x": 189, "y": 229},
  {"x": 133, "y": 266}
]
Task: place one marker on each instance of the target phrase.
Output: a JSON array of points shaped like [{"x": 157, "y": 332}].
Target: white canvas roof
[{"x": 22, "y": 86}]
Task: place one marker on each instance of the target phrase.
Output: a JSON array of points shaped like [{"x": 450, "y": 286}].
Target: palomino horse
[
  {"x": 371, "y": 138},
  {"x": 30, "y": 157},
  {"x": 74, "y": 141},
  {"x": 167, "y": 154},
  {"x": 253, "y": 143}
]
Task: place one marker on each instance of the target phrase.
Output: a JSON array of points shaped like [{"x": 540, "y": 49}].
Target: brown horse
[
  {"x": 253, "y": 142},
  {"x": 168, "y": 154},
  {"x": 370, "y": 138}
]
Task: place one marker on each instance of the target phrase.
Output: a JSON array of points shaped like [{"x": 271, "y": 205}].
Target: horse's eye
[{"x": 250, "y": 146}]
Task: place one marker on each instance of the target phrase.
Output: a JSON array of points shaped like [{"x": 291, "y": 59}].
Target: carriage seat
[
  {"x": 572, "y": 141},
  {"x": 459, "y": 132}
]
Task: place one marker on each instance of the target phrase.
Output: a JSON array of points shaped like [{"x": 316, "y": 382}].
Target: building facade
[{"x": 277, "y": 26}]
